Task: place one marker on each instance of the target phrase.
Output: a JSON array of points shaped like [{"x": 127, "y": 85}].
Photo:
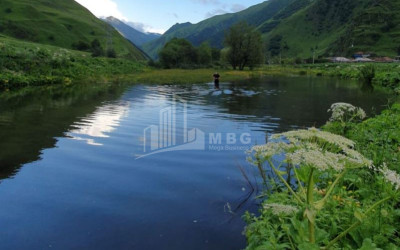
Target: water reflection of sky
[{"x": 99, "y": 124}]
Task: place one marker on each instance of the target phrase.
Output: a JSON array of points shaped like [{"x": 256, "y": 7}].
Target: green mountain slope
[
  {"x": 301, "y": 28},
  {"x": 375, "y": 29},
  {"x": 61, "y": 23},
  {"x": 214, "y": 28},
  {"x": 340, "y": 27}
]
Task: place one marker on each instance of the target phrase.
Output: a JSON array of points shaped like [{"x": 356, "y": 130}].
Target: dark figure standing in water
[{"x": 216, "y": 80}]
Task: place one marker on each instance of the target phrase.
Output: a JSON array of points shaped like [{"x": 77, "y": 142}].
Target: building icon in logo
[{"x": 172, "y": 133}]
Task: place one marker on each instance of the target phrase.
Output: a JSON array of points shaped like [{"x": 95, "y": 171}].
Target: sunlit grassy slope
[
  {"x": 24, "y": 64},
  {"x": 61, "y": 23}
]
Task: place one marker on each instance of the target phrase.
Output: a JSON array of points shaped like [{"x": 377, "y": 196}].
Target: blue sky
[{"x": 159, "y": 15}]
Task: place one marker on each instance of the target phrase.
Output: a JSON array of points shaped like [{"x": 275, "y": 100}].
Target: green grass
[
  {"x": 346, "y": 71},
  {"x": 60, "y": 23},
  {"x": 24, "y": 64},
  {"x": 386, "y": 74}
]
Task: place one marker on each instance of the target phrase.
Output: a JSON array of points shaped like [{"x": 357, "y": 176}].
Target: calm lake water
[{"x": 70, "y": 177}]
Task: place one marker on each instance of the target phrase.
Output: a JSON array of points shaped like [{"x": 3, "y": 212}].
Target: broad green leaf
[{"x": 369, "y": 245}]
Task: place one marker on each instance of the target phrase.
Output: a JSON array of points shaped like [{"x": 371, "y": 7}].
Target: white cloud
[
  {"x": 154, "y": 30},
  {"x": 142, "y": 27},
  {"x": 102, "y": 8},
  {"x": 237, "y": 7},
  {"x": 106, "y": 8}
]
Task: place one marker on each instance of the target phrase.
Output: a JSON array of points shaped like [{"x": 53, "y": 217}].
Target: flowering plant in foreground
[
  {"x": 345, "y": 112},
  {"x": 323, "y": 166}
]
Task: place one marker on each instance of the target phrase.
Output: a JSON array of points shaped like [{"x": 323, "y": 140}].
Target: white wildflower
[
  {"x": 270, "y": 149},
  {"x": 357, "y": 158},
  {"x": 361, "y": 114},
  {"x": 391, "y": 176},
  {"x": 318, "y": 159},
  {"x": 344, "y": 112},
  {"x": 280, "y": 209},
  {"x": 315, "y": 148},
  {"x": 312, "y": 134}
]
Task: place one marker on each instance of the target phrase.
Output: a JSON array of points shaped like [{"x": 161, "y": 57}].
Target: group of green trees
[
  {"x": 243, "y": 48},
  {"x": 180, "y": 53}
]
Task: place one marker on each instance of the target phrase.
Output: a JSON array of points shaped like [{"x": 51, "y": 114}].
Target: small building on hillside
[
  {"x": 358, "y": 55},
  {"x": 361, "y": 54}
]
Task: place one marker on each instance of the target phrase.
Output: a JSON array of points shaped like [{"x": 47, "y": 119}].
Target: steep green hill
[
  {"x": 214, "y": 28},
  {"x": 61, "y": 23},
  {"x": 375, "y": 29},
  {"x": 339, "y": 27}
]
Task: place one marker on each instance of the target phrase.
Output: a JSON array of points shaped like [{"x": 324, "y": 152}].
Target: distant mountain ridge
[
  {"x": 61, "y": 23},
  {"x": 135, "y": 36},
  {"x": 301, "y": 28}
]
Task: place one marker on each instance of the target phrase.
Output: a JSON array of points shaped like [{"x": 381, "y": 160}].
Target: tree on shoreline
[
  {"x": 245, "y": 46},
  {"x": 178, "y": 53},
  {"x": 204, "y": 54}
]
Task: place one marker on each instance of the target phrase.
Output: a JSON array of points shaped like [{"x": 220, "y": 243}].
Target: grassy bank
[
  {"x": 24, "y": 64},
  {"x": 383, "y": 74},
  {"x": 386, "y": 75}
]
